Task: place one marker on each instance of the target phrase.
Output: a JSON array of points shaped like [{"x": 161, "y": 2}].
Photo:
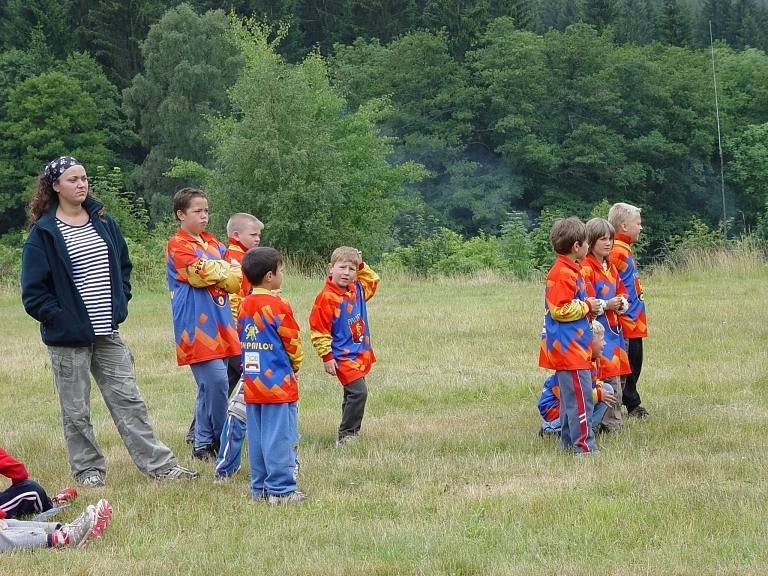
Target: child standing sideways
[
  {"x": 603, "y": 282},
  {"x": 603, "y": 397},
  {"x": 340, "y": 333},
  {"x": 627, "y": 221},
  {"x": 566, "y": 346},
  {"x": 244, "y": 231},
  {"x": 272, "y": 354},
  {"x": 199, "y": 279}
]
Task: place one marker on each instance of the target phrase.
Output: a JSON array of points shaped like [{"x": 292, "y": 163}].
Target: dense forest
[{"x": 407, "y": 127}]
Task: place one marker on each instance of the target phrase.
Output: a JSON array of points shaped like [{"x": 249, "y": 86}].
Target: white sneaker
[
  {"x": 78, "y": 532},
  {"x": 294, "y": 497}
]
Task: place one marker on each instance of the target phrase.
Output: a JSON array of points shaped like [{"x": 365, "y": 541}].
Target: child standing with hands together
[{"x": 566, "y": 346}]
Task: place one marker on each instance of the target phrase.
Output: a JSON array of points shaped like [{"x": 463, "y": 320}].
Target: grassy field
[{"x": 450, "y": 476}]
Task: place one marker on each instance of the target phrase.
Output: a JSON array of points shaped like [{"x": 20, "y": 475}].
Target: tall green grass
[{"x": 450, "y": 476}]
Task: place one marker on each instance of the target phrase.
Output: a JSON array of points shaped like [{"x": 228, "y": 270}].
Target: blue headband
[{"x": 56, "y": 168}]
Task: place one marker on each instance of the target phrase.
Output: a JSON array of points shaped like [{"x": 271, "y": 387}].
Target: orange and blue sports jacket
[
  {"x": 272, "y": 352},
  {"x": 633, "y": 321},
  {"x": 566, "y": 342},
  {"x": 339, "y": 325},
  {"x": 234, "y": 255},
  {"x": 603, "y": 282},
  {"x": 199, "y": 279},
  {"x": 549, "y": 401}
]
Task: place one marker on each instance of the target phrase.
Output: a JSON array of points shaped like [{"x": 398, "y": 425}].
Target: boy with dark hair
[
  {"x": 272, "y": 354},
  {"x": 566, "y": 346},
  {"x": 340, "y": 333},
  {"x": 199, "y": 279},
  {"x": 627, "y": 221}
]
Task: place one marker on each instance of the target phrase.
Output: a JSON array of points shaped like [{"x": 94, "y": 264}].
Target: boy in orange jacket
[
  {"x": 627, "y": 221},
  {"x": 341, "y": 336},
  {"x": 566, "y": 346}
]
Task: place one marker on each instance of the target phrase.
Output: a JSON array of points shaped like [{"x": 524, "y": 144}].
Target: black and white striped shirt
[{"x": 90, "y": 270}]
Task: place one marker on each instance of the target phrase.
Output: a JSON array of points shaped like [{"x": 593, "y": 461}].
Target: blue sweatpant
[
  {"x": 272, "y": 436},
  {"x": 576, "y": 410},
  {"x": 211, "y": 402},
  {"x": 231, "y": 446}
]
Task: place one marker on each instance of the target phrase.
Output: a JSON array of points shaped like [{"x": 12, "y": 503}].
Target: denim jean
[{"x": 211, "y": 402}]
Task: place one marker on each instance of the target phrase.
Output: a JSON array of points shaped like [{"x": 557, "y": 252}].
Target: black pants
[
  {"x": 234, "y": 371},
  {"x": 353, "y": 408},
  {"x": 631, "y": 398},
  {"x": 24, "y": 499}
]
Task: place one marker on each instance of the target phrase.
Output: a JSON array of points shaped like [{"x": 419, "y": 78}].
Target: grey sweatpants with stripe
[
  {"x": 22, "y": 534},
  {"x": 111, "y": 364}
]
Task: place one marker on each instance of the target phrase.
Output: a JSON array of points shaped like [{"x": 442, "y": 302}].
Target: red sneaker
[{"x": 65, "y": 496}]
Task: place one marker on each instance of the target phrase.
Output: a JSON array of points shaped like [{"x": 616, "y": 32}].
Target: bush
[{"x": 11, "y": 245}]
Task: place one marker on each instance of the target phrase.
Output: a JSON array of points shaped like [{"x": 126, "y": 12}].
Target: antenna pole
[{"x": 717, "y": 115}]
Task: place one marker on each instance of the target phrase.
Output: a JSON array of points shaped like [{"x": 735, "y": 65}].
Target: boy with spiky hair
[
  {"x": 566, "y": 345},
  {"x": 341, "y": 336},
  {"x": 627, "y": 221},
  {"x": 272, "y": 355}
]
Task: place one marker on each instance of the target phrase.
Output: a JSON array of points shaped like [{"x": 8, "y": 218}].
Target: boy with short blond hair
[
  {"x": 627, "y": 221},
  {"x": 340, "y": 333},
  {"x": 566, "y": 346},
  {"x": 244, "y": 231}
]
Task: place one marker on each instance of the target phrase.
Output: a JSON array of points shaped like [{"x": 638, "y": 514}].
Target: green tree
[
  {"x": 120, "y": 138},
  {"x": 49, "y": 17},
  {"x": 183, "y": 84},
  {"x": 747, "y": 169},
  {"x": 318, "y": 177},
  {"x": 674, "y": 23},
  {"x": 48, "y": 115}
]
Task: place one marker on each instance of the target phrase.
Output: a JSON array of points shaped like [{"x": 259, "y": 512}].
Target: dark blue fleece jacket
[{"x": 47, "y": 287}]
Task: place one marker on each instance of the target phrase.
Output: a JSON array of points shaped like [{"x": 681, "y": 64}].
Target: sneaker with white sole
[
  {"x": 92, "y": 479},
  {"x": 177, "y": 473},
  {"x": 76, "y": 533},
  {"x": 295, "y": 497},
  {"x": 103, "y": 518}
]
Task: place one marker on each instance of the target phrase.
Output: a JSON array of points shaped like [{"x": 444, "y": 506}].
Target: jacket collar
[
  {"x": 568, "y": 262},
  {"x": 330, "y": 285},
  {"x": 48, "y": 220},
  {"x": 236, "y": 245}
]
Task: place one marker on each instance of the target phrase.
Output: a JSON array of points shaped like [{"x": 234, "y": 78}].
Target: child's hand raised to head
[{"x": 330, "y": 367}]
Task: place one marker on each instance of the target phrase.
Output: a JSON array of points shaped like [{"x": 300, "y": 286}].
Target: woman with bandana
[{"x": 76, "y": 282}]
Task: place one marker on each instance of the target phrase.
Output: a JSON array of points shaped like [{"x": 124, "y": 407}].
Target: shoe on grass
[
  {"x": 92, "y": 479},
  {"x": 295, "y": 497},
  {"x": 638, "y": 412},
  {"x": 204, "y": 453},
  {"x": 177, "y": 473},
  {"x": 346, "y": 440},
  {"x": 65, "y": 496}
]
